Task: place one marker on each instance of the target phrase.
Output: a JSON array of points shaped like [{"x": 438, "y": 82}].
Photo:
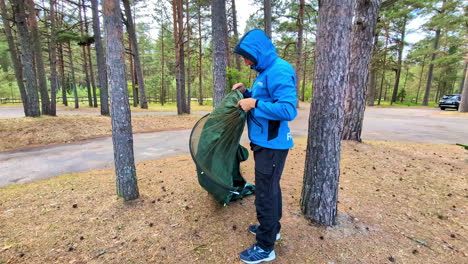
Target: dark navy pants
[{"x": 269, "y": 164}]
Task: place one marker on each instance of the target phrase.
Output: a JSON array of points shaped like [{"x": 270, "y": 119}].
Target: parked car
[{"x": 450, "y": 101}]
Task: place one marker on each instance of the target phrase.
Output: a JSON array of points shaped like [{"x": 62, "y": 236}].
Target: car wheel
[{"x": 442, "y": 108}]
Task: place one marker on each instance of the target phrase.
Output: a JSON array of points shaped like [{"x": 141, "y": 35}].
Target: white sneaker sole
[{"x": 270, "y": 258}]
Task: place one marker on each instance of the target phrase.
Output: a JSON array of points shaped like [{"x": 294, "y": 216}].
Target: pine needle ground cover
[
  {"x": 398, "y": 203},
  {"x": 32, "y": 132}
]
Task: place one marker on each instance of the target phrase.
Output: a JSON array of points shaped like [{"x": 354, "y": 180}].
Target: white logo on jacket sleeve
[
  {"x": 260, "y": 83},
  {"x": 288, "y": 136}
]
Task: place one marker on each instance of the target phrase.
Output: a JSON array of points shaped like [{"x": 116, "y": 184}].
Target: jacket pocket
[{"x": 273, "y": 128}]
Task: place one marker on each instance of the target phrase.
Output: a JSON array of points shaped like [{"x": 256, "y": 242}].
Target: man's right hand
[{"x": 239, "y": 86}]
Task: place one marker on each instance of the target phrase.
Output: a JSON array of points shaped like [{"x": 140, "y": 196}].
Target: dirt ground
[
  {"x": 27, "y": 132},
  {"x": 398, "y": 203}
]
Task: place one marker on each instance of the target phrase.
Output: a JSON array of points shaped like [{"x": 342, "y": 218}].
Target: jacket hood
[{"x": 257, "y": 47}]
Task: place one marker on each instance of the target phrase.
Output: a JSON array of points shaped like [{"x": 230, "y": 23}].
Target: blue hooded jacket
[{"x": 275, "y": 91}]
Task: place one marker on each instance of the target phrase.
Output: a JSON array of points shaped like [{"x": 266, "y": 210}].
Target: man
[{"x": 270, "y": 104}]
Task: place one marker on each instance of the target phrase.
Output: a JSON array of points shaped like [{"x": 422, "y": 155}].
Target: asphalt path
[{"x": 383, "y": 124}]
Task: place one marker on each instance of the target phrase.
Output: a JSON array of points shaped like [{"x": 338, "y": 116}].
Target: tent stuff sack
[{"x": 214, "y": 146}]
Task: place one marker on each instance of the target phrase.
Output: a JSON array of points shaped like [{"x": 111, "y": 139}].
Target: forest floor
[{"x": 398, "y": 203}]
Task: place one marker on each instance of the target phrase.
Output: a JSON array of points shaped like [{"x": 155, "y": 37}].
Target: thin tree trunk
[
  {"x": 162, "y": 94},
  {"x": 122, "y": 137},
  {"x": 464, "y": 98},
  {"x": 132, "y": 76},
  {"x": 218, "y": 22},
  {"x": 420, "y": 79},
  {"x": 62, "y": 75},
  {"x": 299, "y": 55},
  {"x": 367, "y": 12},
  {"x": 236, "y": 33},
  {"x": 383, "y": 68},
  {"x": 189, "y": 64},
  {"x": 27, "y": 58},
  {"x": 462, "y": 82},
  {"x": 14, "y": 57},
  {"x": 53, "y": 60},
  {"x": 40, "y": 69},
  {"x": 304, "y": 79},
  {"x": 431, "y": 69},
  {"x": 73, "y": 80},
  {"x": 267, "y": 16},
  {"x": 180, "y": 56},
  {"x": 90, "y": 63},
  {"x": 85, "y": 58},
  {"x": 400, "y": 58},
  {"x": 101, "y": 60},
  {"x": 136, "y": 56},
  {"x": 200, "y": 56},
  {"x": 373, "y": 73},
  {"x": 322, "y": 168}
]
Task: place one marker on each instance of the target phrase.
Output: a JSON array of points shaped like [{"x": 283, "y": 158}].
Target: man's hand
[
  {"x": 239, "y": 86},
  {"x": 247, "y": 104}
]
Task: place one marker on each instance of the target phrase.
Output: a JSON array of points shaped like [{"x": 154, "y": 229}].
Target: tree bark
[
  {"x": 132, "y": 76},
  {"x": 62, "y": 75},
  {"x": 218, "y": 24},
  {"x": 136, "y": 56},
  {"x": 373, "y": 73},
  {"x": 322, "y": 168},
  {"x": 400, "y": 59},
  {"x": 267, "y": 17},
  {"x": 178, "y": 18},
  {"x": 14, "y": 57},
  {"x": 101, "y": 60},
  {"x": 299, "y": 55},
  {"x": 90, "y": 63},
  {"x": 236, "y": 33},
  {"x": 464, "y": 95},
  {"x": 37, "y": 51},
  {"x": 122, "y": 137},
  {"x": 162, "y": 94},
  {"x": 73, "y": 80},
  {"x": 53, "y": 60},
  {"x": 366, "y": 15},
  {"x": 27, "y": 58},
  {"x": 463, "y": 80},
  {"x": 189, "y": 64},
  {"x": 85, "y": 58},
  {"x": 200, "y": 57},
  {"x": 431, "y": 69}
]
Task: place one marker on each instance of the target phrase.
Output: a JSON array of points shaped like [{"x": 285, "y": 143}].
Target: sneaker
[
  {"x": 256, "y": 255},
  {"x": 253, "y": 229}
]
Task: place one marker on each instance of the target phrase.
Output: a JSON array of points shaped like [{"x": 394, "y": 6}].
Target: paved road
[{"x": 387, "y": 124}]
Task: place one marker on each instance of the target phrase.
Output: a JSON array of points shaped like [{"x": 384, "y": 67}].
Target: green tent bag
[{"x": 214, "y": 146}]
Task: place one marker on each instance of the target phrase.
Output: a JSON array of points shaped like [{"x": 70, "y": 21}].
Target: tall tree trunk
[
  {"x": 304, "y": 79},
  {"x": 101, "y": 60},
  {"x": 73, "y": 80},
  {"x": 218, "y": 22},
  {"x": 189, "y": 64},
  {"x": 299, "y": 55},
  {"x": 267, "y": 16},
  {"x": 14, "y": 56},
  {"x": 62, "y": 75},
  {"x": 373, "y": 73},
  {"x": 420, "y": 79},
  {"x": 136, "y": 56},
  {"x": 322, "y": 168},
  {"x": 53, "y": 60},
  {"x": 180, "y": 55},
  {"x": 236, "y": 33},
  {"x": 132, "y": 76},
  {"x": 464, "y": 98},
  {"x": 366, "y": 15},
  {"x": 37, "y": 51},
  {"x": 200, "y": 56},
  {"x": 400, "y": 58},
  {"x": 122, "y": 137},
  {"x": 85, "y": 58},
  {"x": 90, "y": 63},
  {"x": 27, "y": 58},
  {"x": 383, "y": 68},
  {"x": 162, "y": 94},
  {"x": 463, "y": 80},
  {"x": 431, "y": 69}
]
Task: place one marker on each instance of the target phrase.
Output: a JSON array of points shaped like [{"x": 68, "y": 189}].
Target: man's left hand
[{"x": 247, "y": 104}]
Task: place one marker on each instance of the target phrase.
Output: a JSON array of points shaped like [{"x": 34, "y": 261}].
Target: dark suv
[{"x": 450, "y": 101}]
